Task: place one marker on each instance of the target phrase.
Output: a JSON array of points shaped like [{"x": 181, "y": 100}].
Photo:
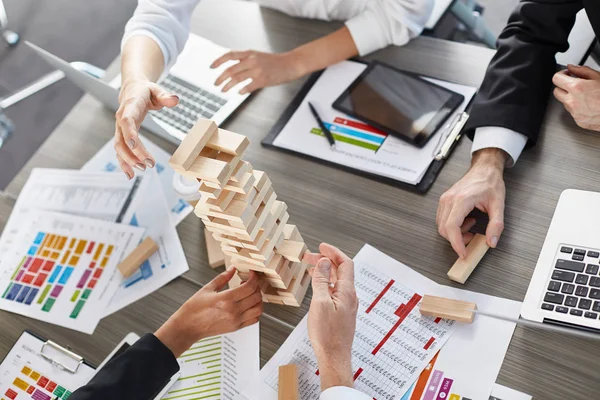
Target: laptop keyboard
[
  {"x": 194, "y": 103},
  {"x": 574, "y": 286}
]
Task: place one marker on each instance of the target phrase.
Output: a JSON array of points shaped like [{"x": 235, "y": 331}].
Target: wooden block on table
[
  {"x": 462, "y": 268},
  {"x": 292, "y": 250},
  {"x": 137, "y": 257},
  {"x": 228, "y": 142},
  {"x": 193, "y": 143},
  {"x": 216, "y": 257},
  {"x": 288, "y": 382},
  {"x": 457, "y": 310}
]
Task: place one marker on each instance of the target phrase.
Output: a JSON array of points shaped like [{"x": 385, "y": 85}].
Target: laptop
[
  {"x": 191, "y": 78},
  {"x": 565, "y": 287}
]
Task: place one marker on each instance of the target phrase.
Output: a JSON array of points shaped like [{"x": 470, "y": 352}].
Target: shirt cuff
[
  {"x": 367, "y": 33},
  {"x": 343, "y": 393},
  {"x": 505, "y": 139}
]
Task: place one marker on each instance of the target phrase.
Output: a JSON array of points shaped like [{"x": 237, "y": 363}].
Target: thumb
[
  {"x": 320, "y": 278},
  {"x": 496, "y": 224},
  {"x": 583, "y": 72},
  {"x": 161, "y": 98},
  {"x": 221, "y": 280}
]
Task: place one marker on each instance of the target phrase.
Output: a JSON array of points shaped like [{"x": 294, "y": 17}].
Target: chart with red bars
[
  {"x": 392, "y": 345},
  {"x": 62, "y": 265}
]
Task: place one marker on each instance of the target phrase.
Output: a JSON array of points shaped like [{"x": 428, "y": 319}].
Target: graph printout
[
  {"x": 61, "y": 268},
  {"x": 26, "y": 375},
  {"x": 217, "y": 368},
  {"x": 393, "y": 341}
]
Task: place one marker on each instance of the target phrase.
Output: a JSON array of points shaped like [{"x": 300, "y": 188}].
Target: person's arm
[
  {"x": 333, "y": 309},
  {"x": 147, "y": 366},
  {"x": 382, "y": 23},
  {"x": 510, "y": 107},
  {"x": 153, "y": 39}
]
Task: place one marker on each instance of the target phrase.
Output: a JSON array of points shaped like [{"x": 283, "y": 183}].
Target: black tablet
[{"x": 399, "y": 103}]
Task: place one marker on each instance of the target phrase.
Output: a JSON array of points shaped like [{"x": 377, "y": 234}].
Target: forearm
[
  {"x": 141, "y": 59},
  {"x": 336, "y": 373},
  {"x": 325, "y": 51}
]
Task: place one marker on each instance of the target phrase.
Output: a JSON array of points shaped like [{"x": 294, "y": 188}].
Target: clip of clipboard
[
  {"x": 440, "y": 156},
  {"x": 57, "y": 363}
]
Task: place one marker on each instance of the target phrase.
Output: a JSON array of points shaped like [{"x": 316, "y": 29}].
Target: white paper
[
  {"x": 152, "y": 213},
  {"x": 218, "y": 367},
  {"x": 397, "y": 362},
  {"x": 503, "y": 393},
  {"x": 62, "y": 268},
  {"x": 389, "y": 157},
  {"x": 25, "y": 370},
  {"x": 106, "y": 161},
  {"x": 468, "y": 365}
]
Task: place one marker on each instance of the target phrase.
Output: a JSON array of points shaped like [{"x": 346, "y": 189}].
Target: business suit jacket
[
  {"x": 141, "y": 372},
  {"x": 518, "y": 81}
]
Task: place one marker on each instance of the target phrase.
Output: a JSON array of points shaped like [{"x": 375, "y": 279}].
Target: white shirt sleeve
[
  {"x": 343, "y": 393},
  {"x": 167, "y": 22},
  {"x": 505, "y": 139},
  {"x": 385, "y": 22}
]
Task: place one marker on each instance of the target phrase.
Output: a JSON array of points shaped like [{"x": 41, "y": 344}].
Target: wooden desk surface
[{"x": 400, "y": 223}]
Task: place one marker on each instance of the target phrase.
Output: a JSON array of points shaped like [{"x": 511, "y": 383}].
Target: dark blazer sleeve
[
  {"x": 518, "y": 82},
  {"x": 139, "y": 373}
]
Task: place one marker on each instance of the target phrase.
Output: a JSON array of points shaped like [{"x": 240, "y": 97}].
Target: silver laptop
[
  {"x": 565, "y": 287},
  {"x": 191, "y": 78}
]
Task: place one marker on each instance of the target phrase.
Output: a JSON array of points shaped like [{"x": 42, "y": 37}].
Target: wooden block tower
[{"x": 240, "y": 209}]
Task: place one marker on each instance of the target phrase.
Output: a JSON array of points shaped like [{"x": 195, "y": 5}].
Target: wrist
[
  {"x": 491, "y": 158},
  {"x": 336, "y": 373},
  {"x": 297, "y": 62},
  {"x": 175, "y": 335}
]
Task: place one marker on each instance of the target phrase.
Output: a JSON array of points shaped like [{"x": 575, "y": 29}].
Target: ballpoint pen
[{"x": 326, "y": 131}]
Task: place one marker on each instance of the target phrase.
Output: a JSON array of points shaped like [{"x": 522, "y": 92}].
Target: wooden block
[
  {"x": 240, "y": 187},
  {"x": 208, "y": 169},
  {"x": 210, "y": 192},
  {"x": 228, "y": 142},
  {"x": 216, "y": 257},
  {"x": 137, "y": 257},
  {"x": 242, "y": 169},
  {"x": 456, "y": 310},
  {"x": 222, "y": 202},
  {"x": 291, "y": 232},
  {"x": 288, "y": 382},
  {"x": 462, "y": 268},
  {"x": 193, "y": 143},
  {"x": 292, "y": 250}
]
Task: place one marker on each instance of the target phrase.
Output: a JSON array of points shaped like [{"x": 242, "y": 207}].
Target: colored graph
[
  {"x": 433, "y": 385},
  {"x": 36, "y": 386},
  {"x": 354, "y": 132},
  {"x": 49, "y": 265}
]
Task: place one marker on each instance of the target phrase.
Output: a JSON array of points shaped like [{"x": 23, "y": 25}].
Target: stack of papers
[{"x": 70, "y": 229}]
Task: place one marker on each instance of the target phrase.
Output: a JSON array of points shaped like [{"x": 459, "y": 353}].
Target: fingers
[
  {"x": 221, "y": 280},
  {"x": 253, "y": 313},
  {"x": 496, "y": 224},
  {"x": 251, "y": 87},
  {"x": 125, "y": 167},
  {"x": 320, "y": 279},
  {"x": 252, "y": 300},
  {"x": 249, "y": 322},
  {"x": 333, "y": 253},
  {"x": 468, "y": 224},
  {"x": 246, "y": 289},
  {"x": 124, "y": 152},
  {"x": 562, "y": 79},
  {"x": 467, "y": 237},
  {"x": 160, "y": 98},
  {"x": 583, "y": 72},
  {"x": 561, "y": 95},
  {"x": 232, "y": 55},
  {"x": 241, "y": 77},
  {"x": 312, "y": 258},
  {"x": 129, "y": 120},
  {"x": 456, "y": 219},
  {"x": 232, "y": 71}
]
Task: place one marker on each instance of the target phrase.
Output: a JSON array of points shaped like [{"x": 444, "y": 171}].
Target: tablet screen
[{"x": 399, "y": 103}]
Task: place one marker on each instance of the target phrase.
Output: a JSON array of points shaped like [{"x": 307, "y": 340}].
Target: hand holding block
[
  {"x": 137, "y": 257},
  {"x": 457, "y": 310},
  {"x": 462, "y": 268},
  {"x": 288, "y": 382}
]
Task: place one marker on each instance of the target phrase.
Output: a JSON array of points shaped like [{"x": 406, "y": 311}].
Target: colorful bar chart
[
  {"x": 354, "y": 132},
  {"x": 36, "y": 386}
]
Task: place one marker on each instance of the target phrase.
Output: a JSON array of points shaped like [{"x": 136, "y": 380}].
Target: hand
[
  {"x": 265, "y": 69},
  {"x": 578, "y": 89},
  {"x": 210, "y": 312},
  {"x": 332, "y": 315},
  {"x": 136, "y": 98},
  {"x": 483, "y": 188}
]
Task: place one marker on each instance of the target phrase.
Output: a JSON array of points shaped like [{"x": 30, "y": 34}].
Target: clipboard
[
  {"x": 42, "y": 373},
  {"x": 426, "y": 181}
]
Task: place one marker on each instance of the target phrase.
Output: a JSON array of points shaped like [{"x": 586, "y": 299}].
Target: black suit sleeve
[
  {"x": 139, "y": 373},
  {"x": 518, "y": 81}
]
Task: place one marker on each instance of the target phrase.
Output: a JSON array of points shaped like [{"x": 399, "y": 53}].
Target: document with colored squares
[
  {"x": 62, "y": 268},
  {"x": 26, "y": 375},
  {"x": 397, "y": 352}
]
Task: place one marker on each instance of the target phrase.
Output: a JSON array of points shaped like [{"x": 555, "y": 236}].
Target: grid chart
[
  {"x": 31, "y": 384},
  {"x": 392, "y": 345},
  {"x": 48, "y": 266},
  {"x": 207, "y": 371}
]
